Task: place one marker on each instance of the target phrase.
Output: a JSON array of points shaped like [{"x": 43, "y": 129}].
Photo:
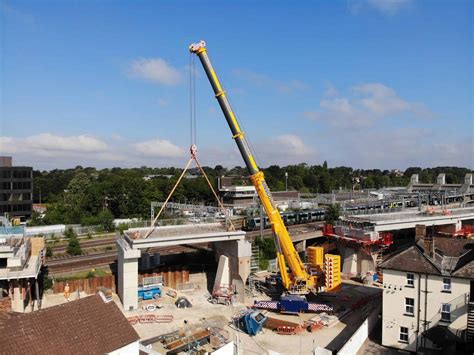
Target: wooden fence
[
  {"x": 89, "y": 286},
  {"x": 171, "y": 278}
]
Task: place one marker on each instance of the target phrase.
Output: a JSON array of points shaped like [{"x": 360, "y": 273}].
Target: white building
[{"x": 428, "y": 296}]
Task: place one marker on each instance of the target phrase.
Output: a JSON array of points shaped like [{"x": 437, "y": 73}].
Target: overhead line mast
[{"x": 299, "y": 281}]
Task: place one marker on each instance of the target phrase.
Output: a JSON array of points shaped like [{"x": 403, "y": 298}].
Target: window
[
  {"x": 409, "y": 306},
  {"x": 404, "y": 334},
  {"x": 446, "y": 285},
  {"x": 445, "y": 312},
  {"x": 410, "y": 280}
]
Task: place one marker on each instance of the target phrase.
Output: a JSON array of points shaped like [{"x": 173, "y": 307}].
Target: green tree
[
  {"x": 69, "y": 234},
  {"x": 333, "y": 212},
  {"x": 74, "y": 247},
  {"x": 106, "y": 220},
  {"x": 49, "y": 251}
]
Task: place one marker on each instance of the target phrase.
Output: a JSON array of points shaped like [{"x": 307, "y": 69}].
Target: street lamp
[{"x": 286, "y": 181}]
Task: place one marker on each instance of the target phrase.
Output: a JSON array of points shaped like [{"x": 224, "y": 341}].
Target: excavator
[{"x": 297, "y": 282}]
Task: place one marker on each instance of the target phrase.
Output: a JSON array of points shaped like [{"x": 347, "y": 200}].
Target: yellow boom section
[{"x": 299, "y": 281}]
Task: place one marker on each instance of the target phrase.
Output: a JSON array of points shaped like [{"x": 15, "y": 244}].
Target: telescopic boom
[{"x": 299, "y": 281}]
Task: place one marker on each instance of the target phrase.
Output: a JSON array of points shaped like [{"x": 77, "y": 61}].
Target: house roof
[
  {"x": 85, "y": 326},
  {"x": 411, "y": 260},
  {"x": 466, "y": 271},
  {"x": 453, "y": 246}
]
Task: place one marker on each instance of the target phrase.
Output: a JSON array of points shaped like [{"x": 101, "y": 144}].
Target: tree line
[{"x": 91, "y": 196}]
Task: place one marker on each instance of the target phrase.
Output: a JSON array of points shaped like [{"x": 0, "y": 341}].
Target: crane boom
[{"x": 299, "y": 281}]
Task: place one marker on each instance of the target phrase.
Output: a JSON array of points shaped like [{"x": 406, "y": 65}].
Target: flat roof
[{"x": 31, "y": 270}]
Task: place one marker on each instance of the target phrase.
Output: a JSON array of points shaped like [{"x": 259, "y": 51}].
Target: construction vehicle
[
  {"x": 250, "y": 321},
  {"x": 296, "y": 281},
  {"x": 293, "y": 304},
  {"x": 149, "y": 292},
  {"x": 222, "y": 295}
]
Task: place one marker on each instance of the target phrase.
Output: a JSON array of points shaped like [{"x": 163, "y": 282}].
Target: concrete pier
[
  {"x": 132, "y": 242},
  {"x": 239, "y": 253}
]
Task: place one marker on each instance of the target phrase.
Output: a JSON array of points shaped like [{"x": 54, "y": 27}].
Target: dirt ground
[{"x": 204, "y": 314}]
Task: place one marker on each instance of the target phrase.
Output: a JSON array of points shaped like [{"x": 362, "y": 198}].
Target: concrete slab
[
  {"x": 176, "y": 235},
  {"x": 31, "y": 270}
]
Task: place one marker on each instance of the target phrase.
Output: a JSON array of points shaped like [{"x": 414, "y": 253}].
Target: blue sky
[{"x": 361, "y": 83}]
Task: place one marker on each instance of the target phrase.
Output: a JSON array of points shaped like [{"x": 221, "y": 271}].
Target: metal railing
[{"x": 458, "y": 308}]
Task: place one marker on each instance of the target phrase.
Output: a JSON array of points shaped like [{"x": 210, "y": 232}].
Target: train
[{"x": 290, "y": 218}]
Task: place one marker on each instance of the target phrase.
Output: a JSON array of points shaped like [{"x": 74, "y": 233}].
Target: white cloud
[
  {"x": 262, "y": 80},
  {"x": 364, "y": 106},
  {"x": 285, "y": 149},
  {"x": 399, "y": 148},
  {"x": 51, "y": 151},
  {"x": 51, "y": 144},
  {"x": 387, "y": 7},
  {"x": 155, "y": 70},
  {"x": 161, "y": 148}
]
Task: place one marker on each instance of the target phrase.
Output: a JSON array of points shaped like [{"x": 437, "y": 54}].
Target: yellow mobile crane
[{"x": 299, "y": 281}]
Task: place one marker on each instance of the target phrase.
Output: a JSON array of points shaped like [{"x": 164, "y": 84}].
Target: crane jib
[{"x": 287, "y": 252}]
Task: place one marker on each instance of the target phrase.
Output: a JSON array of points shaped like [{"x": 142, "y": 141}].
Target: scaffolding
[{"x": 254, "y": 268}]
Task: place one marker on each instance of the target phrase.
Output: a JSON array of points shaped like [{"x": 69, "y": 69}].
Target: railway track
[
  {"x": 87, "y": 244},
  {"x": 86, "y": 262},
  {"x": 80, "y": 263}
]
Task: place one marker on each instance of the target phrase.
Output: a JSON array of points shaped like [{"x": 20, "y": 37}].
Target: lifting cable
[{"x": 193, "y": 150}]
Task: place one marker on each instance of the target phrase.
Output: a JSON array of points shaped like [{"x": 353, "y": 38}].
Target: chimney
[
  {"x": 420, "y": 232},
  {"x": 428, "y": 244}
]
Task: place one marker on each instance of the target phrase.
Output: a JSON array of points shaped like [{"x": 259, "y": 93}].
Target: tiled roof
[
  {"x": 85, "y": 326},
  {"x": 466, "y": 271},
  {"x": 411, "y": 260},
  {"x": 453, "y": 246}
]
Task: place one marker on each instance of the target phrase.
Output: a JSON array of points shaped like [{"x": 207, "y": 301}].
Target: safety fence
[
  {"x": 172, "y": 278},
  {"x": 88, "y": 285}
]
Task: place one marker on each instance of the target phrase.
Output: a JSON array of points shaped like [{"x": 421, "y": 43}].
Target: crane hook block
[{"x": 197, "y": 47}]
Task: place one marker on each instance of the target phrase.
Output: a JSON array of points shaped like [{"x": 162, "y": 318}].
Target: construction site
[{"x": 197, "y": 286}]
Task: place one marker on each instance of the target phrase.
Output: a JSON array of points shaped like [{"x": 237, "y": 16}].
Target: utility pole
[{"x": 286, "y": 181}]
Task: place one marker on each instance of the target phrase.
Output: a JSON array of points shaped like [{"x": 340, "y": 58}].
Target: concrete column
[
  {"x": 458, "y": 225},
  {"x": 349, "y": 265},
  {"x": 17, "y": 302},
  {"x": 127, "y": 275},
  {"x": 223, "y": 273},
  {"x": 239, "y": 253},
  {"x": 300, "y": 246},
  {"x": 365, "y": 262}
]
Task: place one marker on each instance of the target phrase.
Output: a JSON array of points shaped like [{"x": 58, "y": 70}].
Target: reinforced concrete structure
[
  {"x": 361, "y": 239},
  {"x": 229, "y": 243},
  {"x": 21, "y": 259}
]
